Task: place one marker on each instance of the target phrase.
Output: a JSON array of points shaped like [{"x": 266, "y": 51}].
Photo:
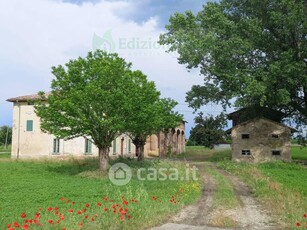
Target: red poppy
[
  {"x": 61, "y": 217},
  {"x": 154, "y": 198},
  {"x": 57, "y": 213},
  {"x": 36, "y": 222},
  {"x": 86, "y": 217},
  {"x": 79, "y": 212},
  {"x": 62, "y": 198},
  {"x": 84, "y": 210},
  {"x": 49, "y": 209},
  {"x": 8, "y": 225},
  {"x": 106, "y": 209},
  {"x": 56, "y": 208},
  {"x": 122, "y": 217},
  {"x": 70, "y": 210},
  {"x": 73, "y": 202},
  {"x": 129, "y": 217},
  {"x": 40, "y": 209},
  {"x": 98, "y": 204},
  {"x": 298, "y": 224},
  {"x": 58, "y": 221},
  {"x": 93, "y": 219},
  {"x": 23, "y": 215},
  {"x": 63, "y": 228},
  {"x": 11, "y": 228},
  {"x": 80, "y": 225},
  {"x": 16, "y": 225},
  {"x": 104, "y": 198},
  {"x": 50, "y": 221},
  {"x": 114, "y": 211},
  {"x": 125, "y": 202},
  {"x": 305, "y": 215},
  {"x": 87, "y": 205},
  {"x": 37, "y": 215}
]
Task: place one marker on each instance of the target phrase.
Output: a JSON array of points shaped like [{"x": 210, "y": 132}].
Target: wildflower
[
  {"x": 70, "y": 210},
  {"x": 80, "y": 225},
  {"x": 11, "y": 228},
  {"x": 86, "y": 216},
  {"x": 23, "y": 215},
  {"x": 129, "y": 217},
  {"x": 104, "y": 198},
  {"x": 56, "y": 209},
  {"x": 16, "y": 225},
  {"x": 79, "y": 212},
  {"x": 125, "y": 202},
  {"x": 305, "y": 215},
  {"x": 99, "y": 204},
  {"x": 49, "y": 209},
  {"x": 93, "y": 219},
  {"x": 50, "y": 221},
  {"x": 154, "y": 198},
  {"x": 122, "y": 217},
  {"x": 8, "y": 225},
  {"x": 298, "y": 224},
  {"x": 73, "y": 202},
  {"x": 62, "y": 198},
  {"x": 106, "y": 209},
  {"x": 84, "y": 210},
  {"x": 64, "y": 228},
  {"x": 37, "y": 215},
  {"x": 87, "y": 205}
]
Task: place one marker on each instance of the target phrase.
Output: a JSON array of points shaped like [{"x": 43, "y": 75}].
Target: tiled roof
[{"x": 26, "y": 98}]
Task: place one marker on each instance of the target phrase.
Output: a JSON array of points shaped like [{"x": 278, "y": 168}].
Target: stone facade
[
  {"x": 260, "y": 140},
  {"x": 28, "y": 141}
]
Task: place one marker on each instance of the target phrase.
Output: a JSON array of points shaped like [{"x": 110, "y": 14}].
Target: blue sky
[{"x": 38, "y": 34}]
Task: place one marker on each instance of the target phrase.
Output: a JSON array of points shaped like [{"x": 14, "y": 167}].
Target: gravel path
[{"x": 201, "y": 215}]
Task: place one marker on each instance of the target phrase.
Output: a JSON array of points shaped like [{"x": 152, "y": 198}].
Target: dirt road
[{"x": 204, "y": 215}]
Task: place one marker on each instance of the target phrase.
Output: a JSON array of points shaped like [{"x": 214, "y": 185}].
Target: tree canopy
[
  {"x": 252, "y": 51},
  {"x": 208, "y": 131},
  {"x": 99, "y": 97}
]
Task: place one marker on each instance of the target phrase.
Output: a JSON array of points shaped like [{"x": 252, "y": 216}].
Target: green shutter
[
  {"x": 129, "y": 146},
  {"x": 29, "y": 125},
  {"x": 88, "y": 146},
  {"x": 114, "y": 146}
]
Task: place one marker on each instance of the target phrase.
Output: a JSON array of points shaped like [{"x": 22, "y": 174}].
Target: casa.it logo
[{"x": 105, "y": 42}]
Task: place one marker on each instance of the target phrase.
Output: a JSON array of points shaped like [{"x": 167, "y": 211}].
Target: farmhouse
[
  {"x": 28, "y": 141},
  {"x": 260, "y": 139}
]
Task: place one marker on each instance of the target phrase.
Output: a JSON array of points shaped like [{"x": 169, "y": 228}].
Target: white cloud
[{"x": 38, "y": 34}]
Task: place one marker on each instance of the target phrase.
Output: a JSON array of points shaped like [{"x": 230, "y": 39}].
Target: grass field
[{"x": 73, "y": 194}]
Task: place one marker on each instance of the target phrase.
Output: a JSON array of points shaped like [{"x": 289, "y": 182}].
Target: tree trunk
[
  {"x": 141, "y": 153},
  {"x": 103, "y": 158}
]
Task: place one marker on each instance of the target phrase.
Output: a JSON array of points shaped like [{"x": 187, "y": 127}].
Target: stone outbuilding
[{"x": 261, "y": 139}]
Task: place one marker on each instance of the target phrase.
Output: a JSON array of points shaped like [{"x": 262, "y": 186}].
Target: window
[
  {"x": 276, "y": 136},
  {"x": 114, "y": 147},
  {"x": 56, "y": 145},
  {"x": 245, "y": 136},
  {"x": 88, "y": 146},
  {"x": 246, "y": 152},
  {"x": 276, "y": 152},
  {"x": 29, "y": 125},
  {"x": 129, "y": 146}
]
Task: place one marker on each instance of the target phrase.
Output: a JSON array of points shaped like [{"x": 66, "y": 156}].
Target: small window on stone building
[
  {"x": 276, "y": 136},
  {"x": 246, "y": 152},
  {"x": 276, "y": 152},
  {"x": 29, "y": 125},
  {"x": 245, "y": 136}
]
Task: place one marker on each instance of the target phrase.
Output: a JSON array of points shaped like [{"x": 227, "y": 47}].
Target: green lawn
[
  {"x": 36, "y": 187},
  {"x": 299, "y": 153}
]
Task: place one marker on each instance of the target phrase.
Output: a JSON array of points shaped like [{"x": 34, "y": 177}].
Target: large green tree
[
  {"x": 5, "y": 135},
  {"x": 252, "y": 51},
  {"x": 208, "y": 131},
  {"x": 148, "y": 113},
  {"x": 89, "y": 99}
]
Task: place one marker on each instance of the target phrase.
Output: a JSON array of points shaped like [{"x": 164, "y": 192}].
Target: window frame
[
  {"x": 29, "y": 126},
  {"x": 246, "y": 152},
  {"x": 56, "y": 146},
  {"x": 88, "y": 147},
  {"x": 245, "y": 136},
  {"x": 276, "y": 151}
]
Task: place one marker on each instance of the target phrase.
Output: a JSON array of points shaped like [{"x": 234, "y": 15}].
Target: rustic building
[
  {"x": 28, "y": 141},
  {"x": 261, "y": 139}
]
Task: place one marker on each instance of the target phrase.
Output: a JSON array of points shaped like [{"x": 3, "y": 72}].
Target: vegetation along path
[{"x": 226, "y": 202}]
